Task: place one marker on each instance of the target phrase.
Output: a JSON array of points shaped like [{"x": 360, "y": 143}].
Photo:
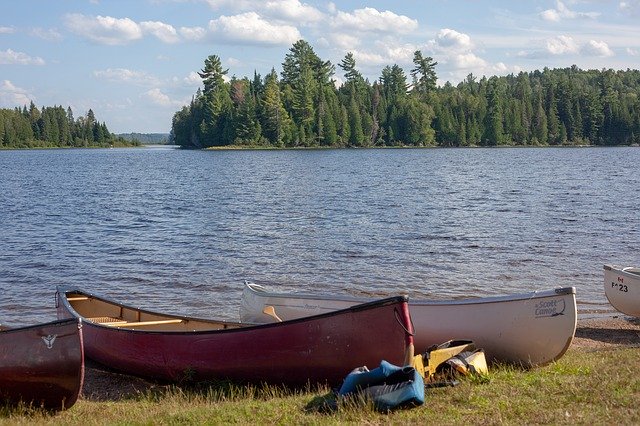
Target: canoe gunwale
[
  {"x": 61, "y": 292},
  {"x": 60, "y": 322},
  {"x": 257, "y": 289},
  {"x": 629, "y": 271}
]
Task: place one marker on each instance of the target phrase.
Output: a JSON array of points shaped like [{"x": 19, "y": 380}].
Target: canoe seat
[
  {"x": 77, "y": 298},
  {"x": 143, "y": 323}
]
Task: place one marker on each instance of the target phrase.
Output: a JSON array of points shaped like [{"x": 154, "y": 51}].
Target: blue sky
[{"x": 134, "y": 62}]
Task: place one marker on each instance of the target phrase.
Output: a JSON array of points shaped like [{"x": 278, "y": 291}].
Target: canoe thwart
[
  {"x": 143, "y": 323},
  {"x": 119, "y": 322}
]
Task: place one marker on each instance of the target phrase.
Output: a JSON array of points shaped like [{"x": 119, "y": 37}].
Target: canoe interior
[
  {"x": 110, "y": 314},
  {"x": 631, "y": 270}
]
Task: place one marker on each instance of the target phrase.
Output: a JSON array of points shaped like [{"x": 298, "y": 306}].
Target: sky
[{"x": 135, "y": 62}]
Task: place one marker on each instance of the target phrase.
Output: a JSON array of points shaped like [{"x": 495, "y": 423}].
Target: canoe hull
[
  {"x": 321, "y": 349},
  {"x": 42, "y": 365},
  {"x": 532, "y": 328},
  {"x": 622, "y": 288}
]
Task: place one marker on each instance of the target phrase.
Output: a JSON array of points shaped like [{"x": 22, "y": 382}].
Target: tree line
[
  {"x": 54, "y": 127},
  {"x": 303, "y": 106}
]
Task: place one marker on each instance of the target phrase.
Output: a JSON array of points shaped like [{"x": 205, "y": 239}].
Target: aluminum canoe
[
  {"x": 532, "y": 328},
  {"x": 622, "y": 288}
]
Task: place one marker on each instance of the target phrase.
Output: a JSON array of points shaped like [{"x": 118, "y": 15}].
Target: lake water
[{"x": 179, "y": 231}]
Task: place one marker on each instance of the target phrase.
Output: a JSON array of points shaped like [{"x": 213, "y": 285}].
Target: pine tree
[{"x": 424, "y": 73}]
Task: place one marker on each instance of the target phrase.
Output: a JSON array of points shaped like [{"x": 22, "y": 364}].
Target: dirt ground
[
  {"x": 101, "y": 384},
  {"x": 607, "y": 332}
]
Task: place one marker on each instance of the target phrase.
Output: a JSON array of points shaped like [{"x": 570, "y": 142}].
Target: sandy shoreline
[{"x": 101, "y": 384}]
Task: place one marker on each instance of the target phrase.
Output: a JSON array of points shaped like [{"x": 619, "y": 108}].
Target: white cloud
[
  {"x": 631, "y": 52},
  {"x": 550, "y": 15},
  {"x": 396, "y": 52},
  {"x": 293, "y": 10},
  {"x": 372, "y": 20},
  {"x": 164, "y": 32},
  {"x": 123, "y": 75},
  {"x": 193, "y": 33},
  {"x": 232, "y": 4},
  {"x": 120, "y": 31},
  {"x": 104, "y": 29},
  {"x": 7, "y": 30},
  {"x": 340, "y": 40},
  {"x": 12, "y": 96},
  {"x": 563, "y": 12},
  {"x": 48, "y": 35},
  {"x": 193, "y": 79},
  {"x": 455, "y": 50},
  {"x": 251, "y": 28},
  {"x": 157, "y": 97},
  {"x": 385, "y": 52},
  {"x": 448, "y": 39},
  {"x": 369, "y": 58},
  {"x": 597, "y": 48},
  {"x": 500, "y": 68},
  {"x": 631, "y": 7},
  {"x": 10, "y": 57},
  {"x": 467, "y": 60},
  {"x": 562, "y": 45}
]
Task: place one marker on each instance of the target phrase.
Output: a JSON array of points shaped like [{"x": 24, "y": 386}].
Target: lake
[{"x": 180, "y": 231}]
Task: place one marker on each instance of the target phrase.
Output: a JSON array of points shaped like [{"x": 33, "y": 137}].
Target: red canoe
[
  {"x": 318, "y": 349},
  {"x": 42, "y": 365}
]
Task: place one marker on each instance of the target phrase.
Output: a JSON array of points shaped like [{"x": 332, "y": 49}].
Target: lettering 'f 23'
[{"x": 550, "y": 308}]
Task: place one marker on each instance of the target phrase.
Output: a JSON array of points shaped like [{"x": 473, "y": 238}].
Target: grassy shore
[{"x": 596, "y": 382}]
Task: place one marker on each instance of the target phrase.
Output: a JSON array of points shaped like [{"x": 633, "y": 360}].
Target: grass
[{"x": 584, "y": 387}]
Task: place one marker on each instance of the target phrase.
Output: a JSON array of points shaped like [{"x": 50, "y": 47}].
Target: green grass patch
[{"x": 584, "y": 387}]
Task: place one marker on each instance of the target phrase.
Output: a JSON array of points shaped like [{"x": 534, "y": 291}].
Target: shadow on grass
[
  {"x": 610, "y": 335},
  {"x": 104, "y": 384}
]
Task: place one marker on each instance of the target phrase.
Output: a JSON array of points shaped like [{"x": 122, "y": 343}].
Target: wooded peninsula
[
  {"x": 54, "y": 127},
  {"x": 304, "y": 107}
]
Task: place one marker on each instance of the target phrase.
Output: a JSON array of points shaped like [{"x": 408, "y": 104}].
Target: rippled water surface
[{"x": 179, "y": 231}]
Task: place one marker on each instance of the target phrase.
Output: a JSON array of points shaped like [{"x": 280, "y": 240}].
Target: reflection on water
[{"x": 179, "y": 231}]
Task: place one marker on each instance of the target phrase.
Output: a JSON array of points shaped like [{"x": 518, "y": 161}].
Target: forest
[
  {"x": 304, "y": 107},
  {"x": 54, "y": 127}
]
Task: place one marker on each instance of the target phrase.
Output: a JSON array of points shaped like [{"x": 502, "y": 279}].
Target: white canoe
[
  {"x": 533, "y": 328},
  {"x": 622, "y": 288}
]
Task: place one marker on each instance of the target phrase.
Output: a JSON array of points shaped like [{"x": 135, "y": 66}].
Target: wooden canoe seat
[
  {"x": 77, "y": 298},
  {"x": 143, "y": 323}
]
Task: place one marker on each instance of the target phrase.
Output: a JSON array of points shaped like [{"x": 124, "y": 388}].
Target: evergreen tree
[
  {"x": 424, "y": 73},
  {"x": 216, "y": 103}
]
